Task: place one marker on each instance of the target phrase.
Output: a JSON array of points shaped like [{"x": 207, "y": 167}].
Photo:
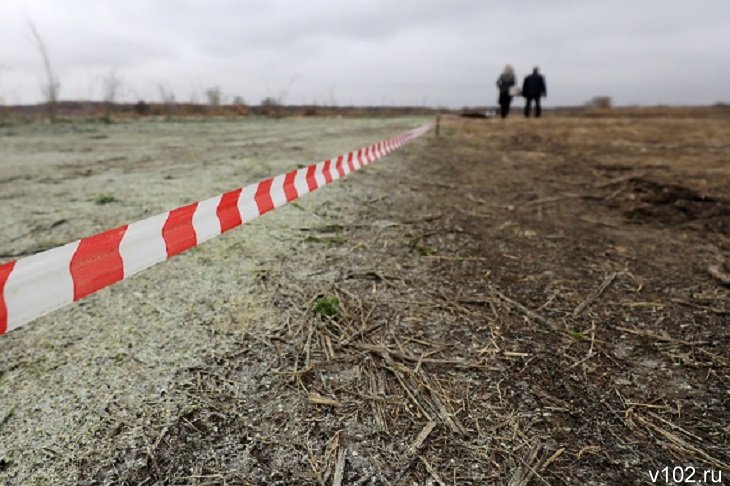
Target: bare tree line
[{"x": 111, "y": 86}]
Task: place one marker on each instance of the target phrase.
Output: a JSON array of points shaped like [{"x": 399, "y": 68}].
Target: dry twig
[
  {"x": 317, "y": 399},
  {"x": 432, "y": 471},
  {"x": 678, "y": 443},
  {"x": 528, "y": 312},
  {"x": 552, "y": 458},
  {"x": 421, "y": 437},
  {"x": 340, "y": 467},
  {"x": 414, "y": 449},
  {"x": 720, "y": 272},
  {"x": 595, "y": 294},
  {"x": 659, "y": 337}
]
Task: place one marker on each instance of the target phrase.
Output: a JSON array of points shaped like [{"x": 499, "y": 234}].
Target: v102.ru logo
[{"x": 685, "y": 475}]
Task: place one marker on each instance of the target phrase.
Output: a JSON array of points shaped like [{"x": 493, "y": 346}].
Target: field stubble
[{"x": 509, "y": 303}]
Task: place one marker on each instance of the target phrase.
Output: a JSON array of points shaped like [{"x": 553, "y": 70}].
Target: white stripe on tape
[
  {"x": 142, "y": 245},
  {"x": 39, "y": 284}
]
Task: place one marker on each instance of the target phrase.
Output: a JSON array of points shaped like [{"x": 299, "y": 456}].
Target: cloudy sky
[{"x": 364, "y": 52}]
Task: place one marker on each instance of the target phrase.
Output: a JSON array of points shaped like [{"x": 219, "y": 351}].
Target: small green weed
[
  {"x": 338, "y": 239},
  {"x": 578, "y": 335},
  {"x": 415, "y": 247},
  {"x": 327, "y": 307},
  {"x": 102, "y": 199}
]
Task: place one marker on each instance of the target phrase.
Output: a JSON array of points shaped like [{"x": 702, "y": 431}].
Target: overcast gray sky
[{"x": 364, "y": 52}]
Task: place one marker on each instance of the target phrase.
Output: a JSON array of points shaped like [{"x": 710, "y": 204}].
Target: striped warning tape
[{"x": 36, "y": 285}]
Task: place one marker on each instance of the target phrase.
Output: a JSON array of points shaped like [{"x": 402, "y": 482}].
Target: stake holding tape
[{"x": 36, "y": 285}]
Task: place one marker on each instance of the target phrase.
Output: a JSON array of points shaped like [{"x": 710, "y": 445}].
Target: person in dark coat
[
  {"x": 533, "y": 89},
  {"x": 505, "y": 83}
]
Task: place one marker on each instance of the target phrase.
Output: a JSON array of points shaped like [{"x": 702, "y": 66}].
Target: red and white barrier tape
[{"x": 36, "y": 285}]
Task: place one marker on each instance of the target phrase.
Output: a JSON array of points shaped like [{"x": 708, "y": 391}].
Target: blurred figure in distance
[
  {"x": 506, "y": 85},
  {"x": 533, "y": 89}
]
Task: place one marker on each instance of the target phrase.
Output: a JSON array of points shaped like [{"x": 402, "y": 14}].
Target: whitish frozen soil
[{"x": 121, "y": 347}]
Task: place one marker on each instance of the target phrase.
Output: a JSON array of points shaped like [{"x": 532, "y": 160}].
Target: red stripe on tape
[
  {"x": 97, "y": 262},
  {"x": 350, "y": 164},
  {"x": 178, "y": 231},
  {"x": 5, "y": 270},
  {"x": 338, "y": 166},
  {"x": 326, "y": 171},
  {"x": 227, "y": 210},
  {"x": 311, "y": 179},
  {"x": 290, "y": 190},
  {"x": 263, "y": 196}
]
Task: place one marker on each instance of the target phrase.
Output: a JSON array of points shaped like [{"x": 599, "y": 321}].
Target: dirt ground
[{"x": 516, "y": 302}]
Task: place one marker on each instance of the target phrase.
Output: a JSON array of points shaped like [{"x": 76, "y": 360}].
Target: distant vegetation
[{"x": 107, "y": 110}]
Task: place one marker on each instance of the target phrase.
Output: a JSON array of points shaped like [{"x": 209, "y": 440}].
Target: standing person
[
  {"x": 533, "y": 89},
  {"x": 505, "y": 83}
]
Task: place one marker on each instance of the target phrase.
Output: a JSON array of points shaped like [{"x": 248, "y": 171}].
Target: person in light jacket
[
  {"x": 533, "y": 89},
  {"x": 505, "y": 83}
]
